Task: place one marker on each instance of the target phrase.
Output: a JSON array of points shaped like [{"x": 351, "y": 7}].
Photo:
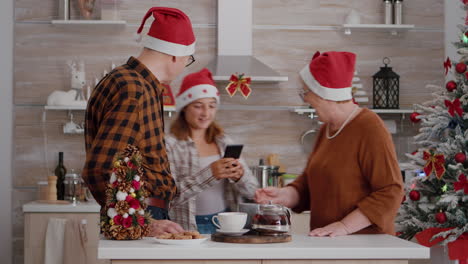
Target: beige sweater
[{"x": 356, "y": 169}]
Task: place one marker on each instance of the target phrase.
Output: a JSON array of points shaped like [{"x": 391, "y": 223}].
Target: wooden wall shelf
[{"x": 392, "y": 28}]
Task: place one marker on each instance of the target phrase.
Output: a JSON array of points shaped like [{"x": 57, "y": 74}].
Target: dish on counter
[
  {"x": 232, "y": 233},
  {"x": 182, "y": 242},
  {"x": 183, "y": 238}
]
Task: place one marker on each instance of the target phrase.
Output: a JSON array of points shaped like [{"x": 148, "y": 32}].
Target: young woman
[{"x": 207, "y": 184}]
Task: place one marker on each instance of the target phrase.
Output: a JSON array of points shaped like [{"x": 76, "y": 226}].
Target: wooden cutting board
[{"x": 250, "y": 239}]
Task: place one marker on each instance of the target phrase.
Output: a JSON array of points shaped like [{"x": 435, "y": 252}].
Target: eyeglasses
[{"x": 190, "y": 61}]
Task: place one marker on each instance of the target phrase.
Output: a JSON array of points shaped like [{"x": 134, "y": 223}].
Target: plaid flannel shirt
[
  {"x": 191, "y": 180},
  {"x": 126, "y": 108}
]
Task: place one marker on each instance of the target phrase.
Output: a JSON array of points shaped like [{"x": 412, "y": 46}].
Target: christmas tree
[
  {"x": 126, "y": 217},
  {"x": 435, "y": 209}
]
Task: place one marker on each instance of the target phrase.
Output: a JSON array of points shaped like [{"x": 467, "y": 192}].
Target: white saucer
[{"x": 232, "y": 233}]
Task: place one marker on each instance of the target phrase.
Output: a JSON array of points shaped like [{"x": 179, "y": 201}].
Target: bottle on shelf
[
  {"x": 60, "y": 172},
  {"x": 388, "y": 12},
  {"x": 398, "y": 12}
]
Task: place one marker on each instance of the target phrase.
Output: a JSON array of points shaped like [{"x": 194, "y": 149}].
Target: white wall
[
  {"x": 454, "y": 15},
  {"x": 6, "y": 128}
]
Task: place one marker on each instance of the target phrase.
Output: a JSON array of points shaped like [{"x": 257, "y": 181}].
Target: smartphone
[{"x": 233, "y": 151}]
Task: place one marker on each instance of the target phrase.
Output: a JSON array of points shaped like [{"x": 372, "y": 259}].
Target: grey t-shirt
[{"x": 211, "y": 200}]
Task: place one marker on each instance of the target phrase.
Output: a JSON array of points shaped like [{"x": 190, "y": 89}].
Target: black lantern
[{"x": 386, "y": 88}]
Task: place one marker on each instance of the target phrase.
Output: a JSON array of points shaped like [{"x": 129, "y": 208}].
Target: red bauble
[
  {"x": 461, "y": 67},
  {"x": 441, "y": 217},
  {"x": 415, "y": 195},
  {"x": 413, "y": 117},
  {"x": 451, "y": 86},
  {"x": 460, "y": 157}
]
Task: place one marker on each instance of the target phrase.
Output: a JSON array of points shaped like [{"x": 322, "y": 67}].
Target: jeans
[
  {"x": 158, "y": 213},
  {"x": 204, "y": 224}
]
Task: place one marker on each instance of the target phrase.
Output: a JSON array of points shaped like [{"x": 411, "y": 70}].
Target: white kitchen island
[{"x": 375, "y": 249}]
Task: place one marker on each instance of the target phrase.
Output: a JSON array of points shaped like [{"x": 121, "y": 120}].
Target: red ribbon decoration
[
  {"x": 447, "y": 64},
  {"x": 457, "y": 250},
  {"x": 454, "y": 107},
  {"x": 241, "y": 83},
  {"x": 435, "y": 162}
]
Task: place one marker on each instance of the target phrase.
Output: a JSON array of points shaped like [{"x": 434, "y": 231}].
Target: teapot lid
[{"x": 271, "y": 208}]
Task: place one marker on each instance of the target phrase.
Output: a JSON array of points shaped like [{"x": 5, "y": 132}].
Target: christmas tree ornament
[
  {"x": 386, "y": 88},
  {"x": 454, "y": 107},
  {"x": 434, "y": 163},
  {"x": 444, "y": 188},
  {"x": 414, "y": 117},
  {"x": 241, "y": 83},
  {"x": 461, "y": 184},
  {"x": 447, "y": 65},
  {"x": 451, "y": 86},
  {"x": 460, "y": 67},
  {"x": 464, "y": 37},
  {"x": 414, "y": 195},
  {"x": 441, "y": 217},
  {"x": 460, "y": 157}
]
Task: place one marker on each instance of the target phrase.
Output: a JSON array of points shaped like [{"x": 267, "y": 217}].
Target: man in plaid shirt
[{"x": 126, "y": 107}]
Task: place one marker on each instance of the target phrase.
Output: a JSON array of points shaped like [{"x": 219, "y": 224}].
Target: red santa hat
[
  {"x": 195, "y": 86},
  {"x": 171, "y": 32},
  {"x": 330, "y": 75}
]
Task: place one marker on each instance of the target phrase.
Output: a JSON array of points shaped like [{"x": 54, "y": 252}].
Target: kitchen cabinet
[{"x": 36, "y": 218}]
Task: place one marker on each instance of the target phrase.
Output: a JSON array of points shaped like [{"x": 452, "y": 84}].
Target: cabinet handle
[{"x": 83, "y": 232}]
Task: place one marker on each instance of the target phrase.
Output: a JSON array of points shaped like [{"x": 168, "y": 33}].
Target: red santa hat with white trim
[
  {"x": 171, "y": 32},
  {"x": 330, "y": 75},
  {"x": 195, "y": 86}
]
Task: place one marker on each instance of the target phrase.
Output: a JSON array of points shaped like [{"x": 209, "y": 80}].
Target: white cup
[{"x": 231, "y": 221}]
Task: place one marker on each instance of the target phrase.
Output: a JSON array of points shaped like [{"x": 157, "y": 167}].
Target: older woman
[
  {"x": 352, "y": 182},
  {"x": 207, "y": 183}
]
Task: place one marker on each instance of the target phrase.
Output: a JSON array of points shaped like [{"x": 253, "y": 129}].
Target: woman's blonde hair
[{"x": 181, "y": 129}]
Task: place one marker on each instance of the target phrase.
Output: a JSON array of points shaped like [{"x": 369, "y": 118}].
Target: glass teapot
[{"x": 272, "y": 219}]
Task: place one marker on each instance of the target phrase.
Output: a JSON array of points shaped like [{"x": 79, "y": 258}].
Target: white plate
[
  {"x": 183, "y": 242},
  {"x": 233, "y": 233}
]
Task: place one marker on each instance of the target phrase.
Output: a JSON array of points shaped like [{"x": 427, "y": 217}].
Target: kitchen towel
[
  {"x": 54, "y": 241},
  {"x": 75, "y": 242}
]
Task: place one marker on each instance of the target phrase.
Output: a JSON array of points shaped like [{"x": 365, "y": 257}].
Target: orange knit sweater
[{"x": 356, "y": 169}]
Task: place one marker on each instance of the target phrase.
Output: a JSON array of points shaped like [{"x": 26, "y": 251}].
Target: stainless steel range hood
[{"x": 235, "y": 45}]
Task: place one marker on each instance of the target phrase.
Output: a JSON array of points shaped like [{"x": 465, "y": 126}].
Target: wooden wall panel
[
  {"x": 414, "y": 56},
  {"x": 199, "y": 11},
  {"x": 333, "y": 12},
  {"x": 44, "y": 50}
]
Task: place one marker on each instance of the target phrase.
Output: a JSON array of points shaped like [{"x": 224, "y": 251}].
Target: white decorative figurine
[{"x": 74, "y": 96}]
